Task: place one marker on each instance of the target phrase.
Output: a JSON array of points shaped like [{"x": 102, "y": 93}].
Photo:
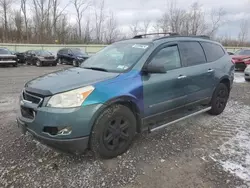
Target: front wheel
[
  {"x": 27, "y": 62},
  {"x": 38, "y": 63},
  {"x": 59, "y": 61},
  {"x": 219, "y": 99},
  {"x": 113, "y": 132}
]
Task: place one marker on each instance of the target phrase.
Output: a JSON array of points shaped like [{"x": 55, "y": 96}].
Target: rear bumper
[
  {"x": 75, "y": 145},
  {"x": 240, "y": 65}
]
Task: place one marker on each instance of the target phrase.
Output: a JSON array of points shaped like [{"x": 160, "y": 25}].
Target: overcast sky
[{"x": 127, "y": 11}]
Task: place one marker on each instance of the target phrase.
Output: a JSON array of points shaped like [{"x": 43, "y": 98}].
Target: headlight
[
  {"x": 70, "y": 99},
  {"x": 248, "y": 59}
]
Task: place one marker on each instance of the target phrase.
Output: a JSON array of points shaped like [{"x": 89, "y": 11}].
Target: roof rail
[
  {"x": 195, "y": 36},
  {"x": 144, "y": 35},
  {"x": 202, "y": 36}
]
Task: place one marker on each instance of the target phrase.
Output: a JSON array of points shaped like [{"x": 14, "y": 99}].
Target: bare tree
[
  {"x": 162, "y": 25},
  {"x": 24, "y": 11},
  {"x": 42, "y": 19},
  {"x": 243, "y": 34},
  {"x": 99, "y": 20},
  {"x": 112, "y": 31},
  {"x": 18, "y": 20},
  {"x": 217, "y": 20},
  {"x": 56, "y": 13},
  {"x": 80, "y": 7},
  {"x": 135, "y": 28},
  {"x": 5, "y": 6},
  {"x": 146, "y": 25}
]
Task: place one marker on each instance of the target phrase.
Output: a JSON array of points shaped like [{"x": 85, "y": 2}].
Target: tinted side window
[
  {"x": 192, "y": 53},
  {"x": 169, "y": 57},
  {"x": 213, "y": 51}
]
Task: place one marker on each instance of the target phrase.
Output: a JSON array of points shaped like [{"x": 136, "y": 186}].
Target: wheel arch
[
  {"x": 225, "y": 80},
  {"x": 127, "y": 101}
]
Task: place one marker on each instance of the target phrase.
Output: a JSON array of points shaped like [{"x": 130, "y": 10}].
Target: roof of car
[{"x": 170, "y": 38}]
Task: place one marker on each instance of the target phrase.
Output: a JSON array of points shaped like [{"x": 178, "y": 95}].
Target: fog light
[{"x": 64, "y": 131}]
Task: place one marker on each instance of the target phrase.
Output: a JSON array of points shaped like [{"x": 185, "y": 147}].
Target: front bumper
[
  {"x": 8, "y": 62},
  {"x": 76, "y": 145},
  {"x": 38, "y": 119},
  {"x": 48, "y": 61},
  {"x": 240, "y": 66}
]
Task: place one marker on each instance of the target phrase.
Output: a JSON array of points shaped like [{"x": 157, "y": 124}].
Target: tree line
[{"x": 48, "y": 21}]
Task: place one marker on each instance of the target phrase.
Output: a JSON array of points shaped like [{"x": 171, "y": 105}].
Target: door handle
[
  {"x": 210, "y": 70},
  {"x": 182, "y": 76}
]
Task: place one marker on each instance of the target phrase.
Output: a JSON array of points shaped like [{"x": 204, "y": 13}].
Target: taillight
[{"x": 232, "y": 61}]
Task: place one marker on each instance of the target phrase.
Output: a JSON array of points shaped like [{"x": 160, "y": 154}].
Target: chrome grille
[{"x": 32, "y": 98}]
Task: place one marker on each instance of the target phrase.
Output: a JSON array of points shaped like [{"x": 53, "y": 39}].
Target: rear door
[
  {"x": 200, "y": 75},
  {"x": 164, "y": 91},
  {"x": 214, "y": 54}
]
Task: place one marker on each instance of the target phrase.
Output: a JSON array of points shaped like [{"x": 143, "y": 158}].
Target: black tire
[
  {"x": 38, "y": 63},
  {"x": 26, "y": 62},
  {"x": 113, "y": 132},
  {"x": 14, "y": 65},
  {"x": 219, "y": 99},
  {"x": 75, "y": 63},
  {"x": 247, "y": 79},
  {"x": 59, "y": 61},
  {"x": 54, "y": 64}
]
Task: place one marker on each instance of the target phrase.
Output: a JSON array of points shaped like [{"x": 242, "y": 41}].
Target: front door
[{"x": 164, "y": 91}]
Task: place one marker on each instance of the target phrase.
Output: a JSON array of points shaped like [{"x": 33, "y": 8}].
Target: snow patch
[
  {"x": 237, "y": 151},
  {"x": 239, "y": 77}
]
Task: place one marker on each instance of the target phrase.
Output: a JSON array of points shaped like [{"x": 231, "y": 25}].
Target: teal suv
[{"x": 142, "y": 84}]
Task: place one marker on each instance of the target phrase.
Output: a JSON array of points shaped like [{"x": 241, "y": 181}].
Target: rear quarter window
[
  {"x": 213, "y": 51},
  {"x": 191, "y": 53}
]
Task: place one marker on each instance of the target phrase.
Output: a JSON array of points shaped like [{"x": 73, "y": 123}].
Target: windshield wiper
[{"x": 96, "y": 68}]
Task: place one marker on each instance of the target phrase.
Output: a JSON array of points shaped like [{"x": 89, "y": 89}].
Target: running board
[{"x": 180, "y": 119}]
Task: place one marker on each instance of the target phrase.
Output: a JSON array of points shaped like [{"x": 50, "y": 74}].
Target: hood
[
  {"x": 240, "y": 57},
  {"x": 46, "y": 56},
  {"x": 82, "y": 56},
  {"x": 66, "y": 79}
]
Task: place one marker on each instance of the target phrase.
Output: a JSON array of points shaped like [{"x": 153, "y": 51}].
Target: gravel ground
[{"x": 203, "y": 151}]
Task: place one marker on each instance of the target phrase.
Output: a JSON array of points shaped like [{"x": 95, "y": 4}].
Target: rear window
[
  {"x": 192, "y": 53},
  {"x": 243, "y": 52},
  {"x": 213, "y": 51}
]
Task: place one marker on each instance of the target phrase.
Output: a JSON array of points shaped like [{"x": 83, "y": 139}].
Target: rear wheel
[
  {"x": 38, "y": 63},
  {"x": 219, "y": 99},
  {"x": 113, "y": 132},
  {"x": 75, "y": 63}
]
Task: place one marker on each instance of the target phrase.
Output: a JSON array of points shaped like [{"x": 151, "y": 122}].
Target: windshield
[
  {"x": 77, "y": 51},
  {"x": 43, "y": 53},
  {"x": 243, "y": 52},
  {"x": 117, "y": 57},
  {"x": 4, "y": 51}
]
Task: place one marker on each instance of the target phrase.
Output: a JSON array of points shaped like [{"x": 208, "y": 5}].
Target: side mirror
[{"x": 154, "y": 67}]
